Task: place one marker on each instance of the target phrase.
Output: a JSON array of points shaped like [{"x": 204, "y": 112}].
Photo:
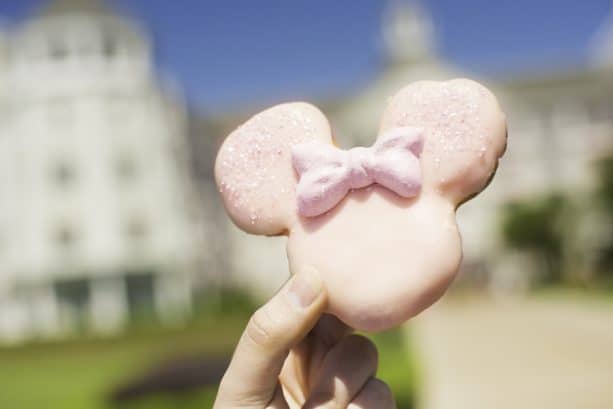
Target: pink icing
[
  {"x": 384, "y": 258},
  {"x": 327, "y": 173}
]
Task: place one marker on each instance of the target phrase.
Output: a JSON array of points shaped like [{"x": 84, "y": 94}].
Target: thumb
[{"x": 252, "y": 377}]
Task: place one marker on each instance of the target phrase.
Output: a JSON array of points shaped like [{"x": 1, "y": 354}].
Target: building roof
[
  {"x": 60, "y": 7},
  {"x": 601, "y": 47},
  {"x": 412, "y": 56},
  {"x": 407, "y": 31}
]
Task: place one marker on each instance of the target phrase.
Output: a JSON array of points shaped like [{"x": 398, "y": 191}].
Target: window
[
  {"x": 57, "y": 50},
  {"x": 140, "y": 291},
  {"x": 66, "y": 237},
  {"x": 126, "y": 167},
  {"x": 136, "y": 229},
  {"x": 73, "y": 297},
  {"x": 109, "y": 46},
  {"x": 64, "y": 173}
]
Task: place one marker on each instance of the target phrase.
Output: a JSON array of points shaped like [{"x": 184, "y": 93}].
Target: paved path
[{"x": 520, "y": 354}]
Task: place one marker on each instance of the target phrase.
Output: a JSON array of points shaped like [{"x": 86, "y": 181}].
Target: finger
[
  {"x": 344, "y": 371},
  {"x": 293, "y": 376},
  {"x": 304, "y": 360},
  {"x": 326, "y": 334},
  {"x": 330, "y": 330},
  {"x": 278, "y": 400},
  {"x": 375, "y": 395},
  {"x": 277, "y": 326}
]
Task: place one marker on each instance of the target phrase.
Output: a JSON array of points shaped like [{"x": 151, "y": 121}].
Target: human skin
[{"x": 292, "y": 355}]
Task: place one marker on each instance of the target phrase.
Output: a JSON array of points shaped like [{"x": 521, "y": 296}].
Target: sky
[{"x": 228, "y": 54}]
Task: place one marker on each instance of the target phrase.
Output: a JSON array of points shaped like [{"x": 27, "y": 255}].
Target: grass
[
  {"x": 398, "y": 366},
  {"x": 597, "y": 292},
  {"x": 80, "y": 374}
]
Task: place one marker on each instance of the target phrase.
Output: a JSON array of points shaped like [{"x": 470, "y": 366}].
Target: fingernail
[{"x": 305, "y": 287}]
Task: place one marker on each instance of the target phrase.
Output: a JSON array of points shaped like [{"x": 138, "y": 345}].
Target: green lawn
[
  {"x": 599, "y": 292},
  {"x": 398, "y": 366},
  {"x": 80, "y": 374}
]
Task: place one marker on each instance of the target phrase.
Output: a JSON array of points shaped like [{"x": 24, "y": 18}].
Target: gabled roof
[
  {"x": 60, "y": 7},
  {"x": 601, "y": 47}
]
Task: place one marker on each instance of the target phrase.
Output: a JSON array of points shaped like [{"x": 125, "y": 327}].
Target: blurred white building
[
  {"x": 97, "y": 221},
  {"x": 559, "y": 122}
]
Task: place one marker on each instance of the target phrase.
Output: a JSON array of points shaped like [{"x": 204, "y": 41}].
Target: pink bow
[{"x": 327, "y": 173}]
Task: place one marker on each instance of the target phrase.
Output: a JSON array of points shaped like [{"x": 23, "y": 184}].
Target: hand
[{"x": 291, "y": 357}]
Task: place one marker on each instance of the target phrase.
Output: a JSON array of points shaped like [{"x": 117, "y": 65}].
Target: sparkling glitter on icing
[
  {"x": 451, "y": 114},
  {"x": 251, "y": 160}
]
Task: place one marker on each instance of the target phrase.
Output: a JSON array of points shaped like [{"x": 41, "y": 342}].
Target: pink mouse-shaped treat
[{"x": 378, "y": 223}]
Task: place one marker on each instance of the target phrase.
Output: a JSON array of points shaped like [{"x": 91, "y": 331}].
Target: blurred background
[{"x": 122, "y": 281}]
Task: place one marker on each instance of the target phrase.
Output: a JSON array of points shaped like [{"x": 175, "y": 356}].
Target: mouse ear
[
  {"x": 254, "y": 171},
  {"x": 464, "y": 131}
]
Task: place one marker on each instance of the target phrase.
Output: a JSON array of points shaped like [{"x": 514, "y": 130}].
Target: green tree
[
  {"x": 604, "y": 191},
  {"x": 537, "y": 226},
  {"x": 604, "y": 198}
]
